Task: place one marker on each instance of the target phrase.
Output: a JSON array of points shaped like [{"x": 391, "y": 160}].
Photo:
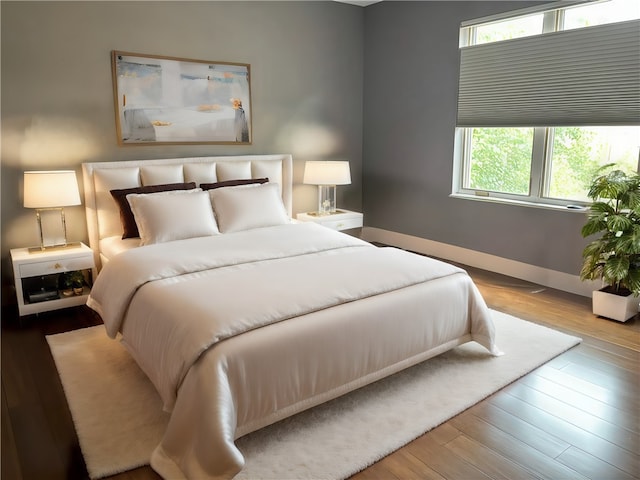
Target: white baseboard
[{"x": 524, "y": 271}]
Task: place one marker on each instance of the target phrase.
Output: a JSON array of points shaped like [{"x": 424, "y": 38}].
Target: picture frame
[{"x": 170, "y": 100}]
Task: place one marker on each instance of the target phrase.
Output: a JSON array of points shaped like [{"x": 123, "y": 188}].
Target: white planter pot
[{"x": 613, "y": 306}]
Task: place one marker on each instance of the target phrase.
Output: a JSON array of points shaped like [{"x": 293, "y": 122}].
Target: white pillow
[
  {"x": 248, "y": 206},
  {"x": 166, "y": 216}
]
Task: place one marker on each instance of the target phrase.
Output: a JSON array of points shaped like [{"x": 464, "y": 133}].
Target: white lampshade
[
  {"x": 48, "y": 189},
  {"x": 327, "y": 173}
]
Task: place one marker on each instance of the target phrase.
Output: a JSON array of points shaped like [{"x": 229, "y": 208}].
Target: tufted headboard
[{"x": 103, "y": 217}]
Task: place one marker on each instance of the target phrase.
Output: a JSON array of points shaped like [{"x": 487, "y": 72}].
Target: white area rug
[{"x": 119, "y": 419}]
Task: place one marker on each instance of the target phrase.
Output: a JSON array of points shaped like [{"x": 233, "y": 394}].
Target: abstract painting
[{"x": 167, "y": 100}]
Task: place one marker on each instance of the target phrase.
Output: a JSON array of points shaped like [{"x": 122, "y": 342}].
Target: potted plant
[
  {"x": 614, "y": 256},
  {"x": 65, "y": 284},
  {"x": 77, "y": 281},
  {"x": 71, "y": 283}
]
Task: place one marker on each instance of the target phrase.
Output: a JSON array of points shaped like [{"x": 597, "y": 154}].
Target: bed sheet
[{"x": 112, "y": 246}]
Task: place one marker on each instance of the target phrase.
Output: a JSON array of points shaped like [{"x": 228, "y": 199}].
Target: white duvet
[{"x": 237, "y": 331}]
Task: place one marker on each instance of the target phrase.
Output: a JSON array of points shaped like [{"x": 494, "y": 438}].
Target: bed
[{"x": 241, "y": 316}]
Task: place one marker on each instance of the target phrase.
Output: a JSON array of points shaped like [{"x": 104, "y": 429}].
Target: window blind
[{"x": 587, "y": 76}]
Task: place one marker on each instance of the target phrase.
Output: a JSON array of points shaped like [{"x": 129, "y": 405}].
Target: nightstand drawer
[
  {"x": 341, "y": 220},
  {"x": 344, "y": 224},
  {"x": 55, "y": 266}
]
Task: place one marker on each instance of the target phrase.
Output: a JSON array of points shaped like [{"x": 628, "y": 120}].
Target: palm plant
[{"x": 614, "y": 256}]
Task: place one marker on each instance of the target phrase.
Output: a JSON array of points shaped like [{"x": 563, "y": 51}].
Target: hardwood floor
[{"x": 575, "y": 417}]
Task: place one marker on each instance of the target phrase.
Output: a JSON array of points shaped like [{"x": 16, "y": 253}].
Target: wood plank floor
[{"x": 576, "y": 417}]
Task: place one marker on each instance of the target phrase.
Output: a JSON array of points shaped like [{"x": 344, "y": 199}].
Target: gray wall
[
  {"x": 410, "y": 97},
  {"x": 57, "y": 105},
  {"x": 308, "y": 61}
]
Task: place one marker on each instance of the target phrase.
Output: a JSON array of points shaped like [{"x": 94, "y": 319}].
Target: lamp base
[
  {"x": 53, "y": 248},
  {"x": 51, "y": 221},
  {"x": 322, "y": 214},
  {"x": 326, "y": 199}
]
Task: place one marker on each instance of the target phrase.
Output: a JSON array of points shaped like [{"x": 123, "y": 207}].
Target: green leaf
[
  {"x": 611, "y": 185},
  {"x": 619, "y": 223},
  {"x": 616, "y": 269},
  {"x": 633, "y": 281},
  {"x": 635, "y": 239},
  {"x": 629, "y": 243},
  {"x": 593, "y": 226},
  {"x": 601, "y": 208},
  {"x": 592, "y": 269},
  {"x": 594, "y": 249}
]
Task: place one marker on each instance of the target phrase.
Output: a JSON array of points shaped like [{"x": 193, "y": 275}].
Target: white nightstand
[
  {"x": 341, "y": 220},
  {"x": 36, "y": 277}
]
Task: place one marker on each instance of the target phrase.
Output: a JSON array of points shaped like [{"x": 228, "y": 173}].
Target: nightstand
[
  {"x": 36, "y": 276},
  {"x": 341, "y": 220}
]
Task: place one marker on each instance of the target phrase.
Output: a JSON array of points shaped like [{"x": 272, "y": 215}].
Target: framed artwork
[{"x": 167, "y": 100}]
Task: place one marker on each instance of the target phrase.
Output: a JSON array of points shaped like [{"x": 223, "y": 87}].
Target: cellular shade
[{"x": 587, "y": 76}]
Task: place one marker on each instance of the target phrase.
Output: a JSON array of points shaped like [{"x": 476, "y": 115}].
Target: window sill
[{"x": 522, "y": 203}]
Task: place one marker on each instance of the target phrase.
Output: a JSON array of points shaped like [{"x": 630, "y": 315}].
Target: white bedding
[
  {"x": 112, "y": 246},
  {"x": 219, "y": 323}
]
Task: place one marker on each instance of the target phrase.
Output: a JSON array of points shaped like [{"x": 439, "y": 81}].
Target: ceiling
[{"x": 361, "y": 3}]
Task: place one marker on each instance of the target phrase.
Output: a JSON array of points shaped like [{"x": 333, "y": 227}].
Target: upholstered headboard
[{"x": 103, "y": 216}]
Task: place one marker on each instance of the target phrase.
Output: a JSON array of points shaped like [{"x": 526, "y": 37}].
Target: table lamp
[
  {"x": 326, "y": 174},
  {"x": 48, "y": 192}
]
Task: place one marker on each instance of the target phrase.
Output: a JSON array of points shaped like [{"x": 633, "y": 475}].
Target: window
[
  {"x": 508, "y": 29},
  {"x": 576, "y": 153},
  {"x": 599, "y": 13},
  {"x": 500, "y": 160},
  {"x": 552, "y": 160}
]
